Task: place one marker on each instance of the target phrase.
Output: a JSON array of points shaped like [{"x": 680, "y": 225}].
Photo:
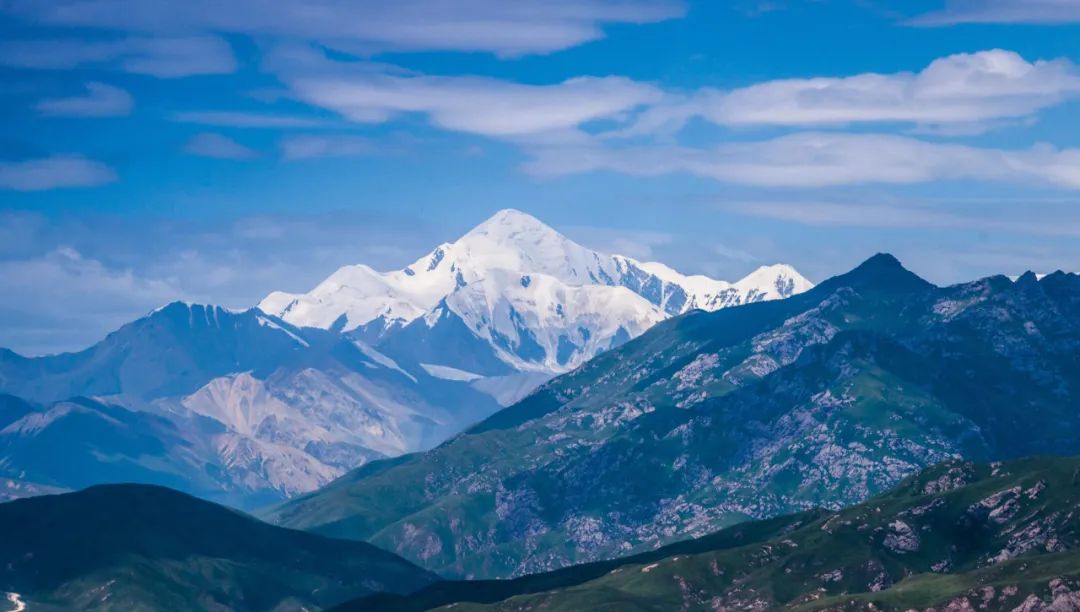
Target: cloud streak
[
  {"x": 246, "y": 119},
  {"x": 101, "y": 100},
  {"x": 476, "y": 105},
  {"x": 966, "y": 88},
  {"x": 1058, "y": 220},
  {"x": 163, "y": 57},
  {"x": 57, "y": 172},
  {"x": 1002, "y": 11},
  {"x": 506, "y": 28},
  {"x": 217, "y": 146},
  {"x": 821, "y": 159},
  {"x": 311, "y": 147}
]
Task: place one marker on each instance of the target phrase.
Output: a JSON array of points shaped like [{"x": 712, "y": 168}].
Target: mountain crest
[
  {"x": 882, "y": 272},
  {"x": 510, "y": 222}
]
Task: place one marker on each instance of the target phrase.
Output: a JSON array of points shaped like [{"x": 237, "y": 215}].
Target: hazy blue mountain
[{"x": 238, "y": 406}]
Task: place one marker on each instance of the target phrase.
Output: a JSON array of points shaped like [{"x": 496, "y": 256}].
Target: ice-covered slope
[
  {"x": 518, "y": 291},
  {"x": 537, "y": 323},
  {"x": 510, "y": 241}
]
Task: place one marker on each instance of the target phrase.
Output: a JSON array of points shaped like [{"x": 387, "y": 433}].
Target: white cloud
[
  {"x": 64, "y": 297},
  {"x": 78, "y": 277},
  {"x": 164, "y": 57},
  {"x": 1003, "y": 11},
  {"x": 309, "y": 146},
  {"x": 816, "y": 159},
  {"x": 246, "y": 119},
  {"x": 966, "y": 88},
  {"x": 733, "y": 253},
  {"x": 636, "y": 243},
  {"x": 477, "y": 105},
  {"x": 101, "y": 100},
  {"x": 1054, "y": 219},
  {"x": 57, "y": 172},
  {"x": 218, "y": 147},
  {"x": 506, "y": 28}
]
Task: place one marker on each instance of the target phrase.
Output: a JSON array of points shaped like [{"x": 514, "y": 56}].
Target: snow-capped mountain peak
[
  {"x": 777, "y": 281},
  {"x": 499, "y": 285},
  {"x": 509, "y": 240},
  {"x": 513, "y": 240}
]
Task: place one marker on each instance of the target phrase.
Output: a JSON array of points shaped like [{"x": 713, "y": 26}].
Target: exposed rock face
[{"x": 900, "y": 538}]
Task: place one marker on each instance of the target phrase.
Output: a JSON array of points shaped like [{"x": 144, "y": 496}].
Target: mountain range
[
  {"x": 514, "y": 300},
  {"x": 956, "y": 536},
  {"x": 232, "y": 406},
  {"x": 252, "y": 406},
  {"x": 714, "y": 418},
  {"x": 865, "y": 444}
]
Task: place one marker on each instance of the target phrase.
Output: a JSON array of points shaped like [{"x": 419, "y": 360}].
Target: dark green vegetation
[
  {"x": 958, "y": 534},
  {"x": 710, "y": 419},
  {"x": 137, "y": 547}
]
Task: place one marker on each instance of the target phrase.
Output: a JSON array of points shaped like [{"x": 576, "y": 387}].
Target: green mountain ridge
[
  {"x": 710, "y": 419},
  {"x": 957, "y": 536},
  {"x": 143, "y": 547}
]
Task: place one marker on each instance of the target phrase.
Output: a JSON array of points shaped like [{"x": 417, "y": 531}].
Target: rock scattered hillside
[
  {"x": 958, "y": 536},
  {"x": 709, "y": 419}
]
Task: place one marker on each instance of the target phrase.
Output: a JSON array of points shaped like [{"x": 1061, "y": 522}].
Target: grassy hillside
[
  {"x": 996, "y": 535},
  {"x": 820, "y": 400},
  {"x": 137, "y": 547}
]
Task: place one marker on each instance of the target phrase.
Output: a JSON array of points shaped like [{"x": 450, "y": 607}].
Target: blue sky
[{"x": 154, "y": 150}]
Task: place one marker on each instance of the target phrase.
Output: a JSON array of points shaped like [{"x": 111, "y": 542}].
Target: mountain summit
[{"x": 514, "y": 295}]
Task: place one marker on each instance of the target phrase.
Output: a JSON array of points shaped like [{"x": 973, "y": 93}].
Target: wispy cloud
[
  {"x": 246, "y": 119},
  {"x": 1058, "y": 219},
  {"x": 733, "y": 253},
  {"x": 820, "y": 159},
  {"x": 312, "y": 146},
  {"x": 218, "y": 146},
  {"x": 100, "y": 100},
  {"x": 45, "y": 284},
  {"x": 164, "y": 57},
  {"x": 477, "y": 105},
  {"x": 965, "y": 89},
  {"x": 57, "y": 172},
  {"x": 636, "y": 243},
  {"x": 1002, "y": 11},
  {"x": 121, "y": 266},
  {"x": 505, "y": 28}
]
